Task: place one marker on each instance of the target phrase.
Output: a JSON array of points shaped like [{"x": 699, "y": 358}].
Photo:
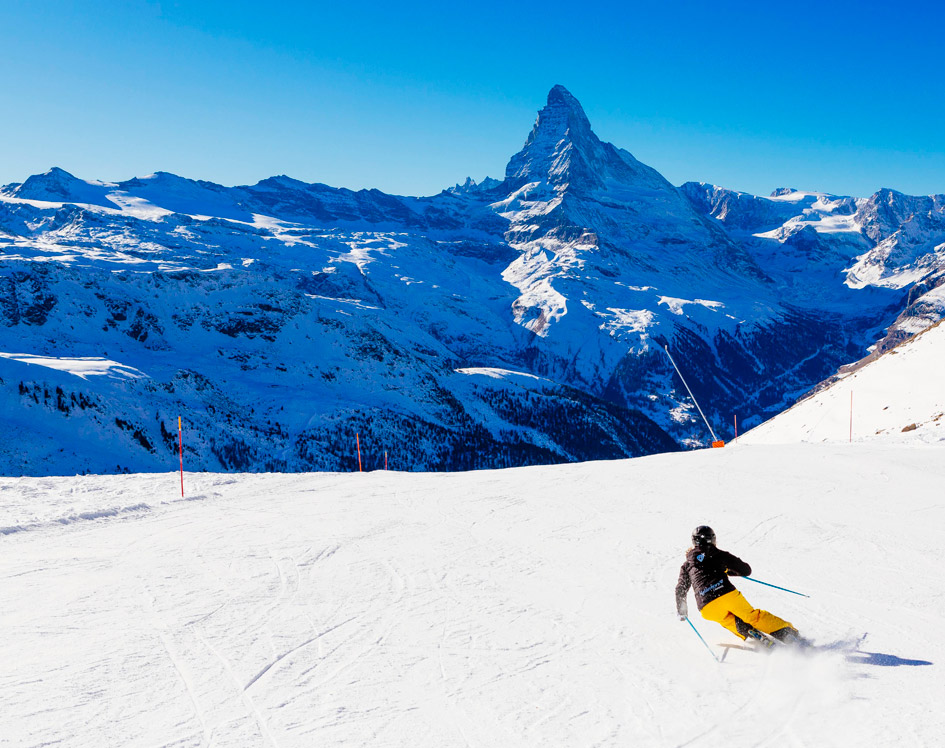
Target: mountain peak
[
  {"x": 59, "y": 186},
  {"x": 563, "y": 115},
  {"x": 559, "y": 96},
  {"x": 59, "y": 173},
  {"x": 53, "y": 176},
  {"x": 560, "y": 129},
  {"x": 563, "y": 151}
]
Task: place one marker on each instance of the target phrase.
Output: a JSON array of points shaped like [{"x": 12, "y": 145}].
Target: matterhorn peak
[
  {"x": 561, "y": 99},
  {"x": 563, "y": 152},
  {"x": 560, "y": 129}
]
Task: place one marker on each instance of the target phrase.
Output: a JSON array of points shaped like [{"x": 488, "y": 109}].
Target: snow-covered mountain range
[{"x": 510, "y": 322}]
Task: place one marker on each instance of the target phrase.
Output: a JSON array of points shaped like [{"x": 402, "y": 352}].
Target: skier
[{"x": 707, "y": 570}]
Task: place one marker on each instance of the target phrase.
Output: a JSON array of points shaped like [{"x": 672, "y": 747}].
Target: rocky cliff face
[{"x": 505, "y": 323}]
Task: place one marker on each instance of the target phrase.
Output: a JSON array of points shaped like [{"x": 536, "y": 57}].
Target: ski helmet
[{"x": 703, "y": 536}]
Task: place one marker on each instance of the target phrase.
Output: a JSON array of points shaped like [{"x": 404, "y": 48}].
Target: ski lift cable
[{"x": 714, "y": 437}]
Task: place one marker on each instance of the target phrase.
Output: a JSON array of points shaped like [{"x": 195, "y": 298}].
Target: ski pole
[
  {"x": 702, "y": 640},
  {"x": 783, "y": 589}
]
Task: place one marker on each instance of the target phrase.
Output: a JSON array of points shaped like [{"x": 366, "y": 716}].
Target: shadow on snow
[{"x": 883, "y": 660}]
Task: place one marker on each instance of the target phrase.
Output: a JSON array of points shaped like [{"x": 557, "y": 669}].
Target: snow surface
[
  {"x": 527, "y": 607},
  {"x": 82, "y": 367},
  {"x": 796, "y": 196},
  {"x": 494, "y": 373},
  {"x": 676, "y": 306},
  {"x": 897, "y": 397}
]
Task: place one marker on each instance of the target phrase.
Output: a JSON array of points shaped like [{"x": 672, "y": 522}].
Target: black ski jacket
[{"x": 707, "y": 572}]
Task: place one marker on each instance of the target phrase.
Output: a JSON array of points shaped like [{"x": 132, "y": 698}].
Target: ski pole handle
[{"x": 783, "y": 589}]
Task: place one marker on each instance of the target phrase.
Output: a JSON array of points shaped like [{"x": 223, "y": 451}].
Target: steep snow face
[
  {"x": 739, "y": 211},
  {"x": 779, "y": 216},
  {"x": 910, "y": 236},
  {"x": 893, "y": 398},
  {"x": 281, "y": 318},
  {"x": 530, "y": 607}
]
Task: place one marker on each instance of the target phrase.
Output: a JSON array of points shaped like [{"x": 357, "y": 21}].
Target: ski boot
[
  {"x": 790, "y": 637},
  {"x": 786, "y": 635},
  {"x": 750, "y": 632}
]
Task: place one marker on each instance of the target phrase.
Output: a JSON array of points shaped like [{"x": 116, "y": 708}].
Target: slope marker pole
[
  {"x": 357, "y": 438},
  {"x": 851, "y": 416},
  {"x": 736, "y": 426},
  {"x": 716, "y": 442},
  {"x": 180, "y": 444},
  {"x": 385, "y": 459}
]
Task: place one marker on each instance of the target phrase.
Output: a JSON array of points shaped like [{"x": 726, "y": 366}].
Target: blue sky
[{"x": 840, "y": 97}]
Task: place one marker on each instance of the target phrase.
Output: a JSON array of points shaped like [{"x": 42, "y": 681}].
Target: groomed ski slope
[{"x": 527, "y": 607}]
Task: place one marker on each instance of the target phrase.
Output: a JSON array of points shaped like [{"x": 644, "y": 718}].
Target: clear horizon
[{"x": 414, "y": 100}]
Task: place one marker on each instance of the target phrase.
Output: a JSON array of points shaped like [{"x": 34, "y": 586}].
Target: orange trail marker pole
[
  {"x": 385, "y": 459},
  {"x": 180, "y": 444},
  {"x": 736, "y": 426},
  {"x": 357, "y": 438}
]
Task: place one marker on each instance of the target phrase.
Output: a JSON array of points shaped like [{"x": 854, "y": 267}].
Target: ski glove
[{"x": 683, "y": 611}]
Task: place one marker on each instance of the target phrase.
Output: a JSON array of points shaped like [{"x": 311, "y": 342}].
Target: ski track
[{"x": 528, "y": 607}]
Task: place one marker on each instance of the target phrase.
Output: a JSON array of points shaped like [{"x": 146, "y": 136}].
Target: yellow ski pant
[{"x": 724, "y": 610}]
